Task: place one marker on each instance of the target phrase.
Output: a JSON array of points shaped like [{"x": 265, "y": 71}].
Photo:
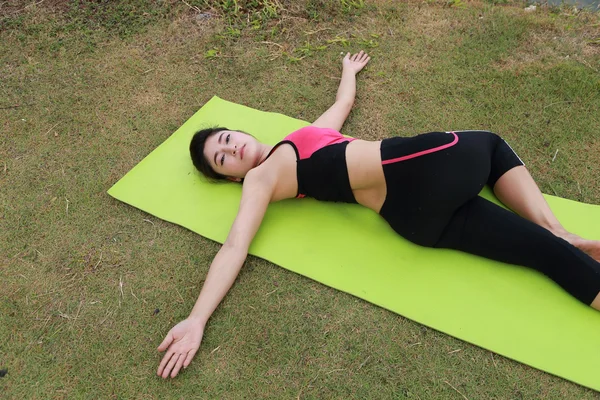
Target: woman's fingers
[
  {"x": 360, "y": 57},
  {"x": 173, "y": 361},
  {"x": 164, "y": 362},
  {"x": 178, "y": 366},
  {"x": 170, "y": 365},
  {"x": 162, "y": 347},
  {"x": 357, "y": 55},
  {"x": 176, "y": 362},
  {"x": 189, "y": 358}
]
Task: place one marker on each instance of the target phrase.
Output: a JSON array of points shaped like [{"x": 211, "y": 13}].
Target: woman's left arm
[{"x": 335, "y": 116}]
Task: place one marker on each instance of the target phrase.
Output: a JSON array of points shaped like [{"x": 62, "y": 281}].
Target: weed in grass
[
  {"x": 292, "y": 59},
  {"x": 367, "y": 43},
  {"x": 230, "y": 33},
  {"x": 307, "y": 49},
  {"x": 343, "y": 41},
  {"x": 254, "y": 12},
  {"x": 392, "y": 13},
  {"x": 329, "y": 10},
  {"x": 497, "y": 2},
  {"x": 455, "y": 3},
  {"x": 349, "y": 6},
  {"x": 212, "y": 53}
]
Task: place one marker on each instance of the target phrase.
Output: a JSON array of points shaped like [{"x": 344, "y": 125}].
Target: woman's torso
[{"x": 365, "y": 172}]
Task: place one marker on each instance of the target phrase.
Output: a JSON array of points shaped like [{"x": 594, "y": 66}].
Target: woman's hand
[
  {"x": 182, "y": 342},
  {"x": 356, "y": 62}
]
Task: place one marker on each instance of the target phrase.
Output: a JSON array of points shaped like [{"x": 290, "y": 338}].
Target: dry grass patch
[
  {"x": 433, "y": 22},
  {"x": 555, "y": 41},
  {"x": 533, "y": 50},
  {"x": 149, "y": 96}
]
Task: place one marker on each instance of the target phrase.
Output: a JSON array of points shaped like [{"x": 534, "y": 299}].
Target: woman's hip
[{"x": 429, "y": 176}]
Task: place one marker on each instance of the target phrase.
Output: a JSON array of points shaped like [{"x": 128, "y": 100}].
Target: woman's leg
[
  {"x": 483, "y": 228},
  {"x": 519, "y": 192}
]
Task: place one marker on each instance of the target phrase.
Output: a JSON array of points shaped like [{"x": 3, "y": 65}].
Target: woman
[{"x": 425, "y": 187}]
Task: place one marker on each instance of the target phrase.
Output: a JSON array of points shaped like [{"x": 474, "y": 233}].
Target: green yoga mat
[{"x": 511, "y": 310}]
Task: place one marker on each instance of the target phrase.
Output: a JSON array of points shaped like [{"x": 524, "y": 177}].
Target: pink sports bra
[{"x": 321, "y": 163}]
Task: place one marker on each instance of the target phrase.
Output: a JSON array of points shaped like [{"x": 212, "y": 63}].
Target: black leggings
[{"x": 433, "y": 181}]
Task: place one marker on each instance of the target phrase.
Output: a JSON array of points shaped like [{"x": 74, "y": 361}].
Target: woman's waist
[
  {"x": 355, "y": 164},
  {"x": 363, "y": 160},
  {"x": 327, "y": 173}
]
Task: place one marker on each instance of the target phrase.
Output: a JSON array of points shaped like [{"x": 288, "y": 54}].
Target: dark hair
[{"x": 197, "y": 153}]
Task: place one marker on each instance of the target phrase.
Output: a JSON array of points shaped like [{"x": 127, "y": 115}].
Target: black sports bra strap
[{"x": 277, "y": 145}]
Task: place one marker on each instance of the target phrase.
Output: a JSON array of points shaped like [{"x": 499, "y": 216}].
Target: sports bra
[{"x": 321, "y": 168}]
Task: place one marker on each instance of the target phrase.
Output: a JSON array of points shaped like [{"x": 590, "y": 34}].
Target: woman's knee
[{"x": 596, "y": 302}]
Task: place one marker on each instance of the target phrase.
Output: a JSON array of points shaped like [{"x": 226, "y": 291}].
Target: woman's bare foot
[{"x": 590, "y": 247}]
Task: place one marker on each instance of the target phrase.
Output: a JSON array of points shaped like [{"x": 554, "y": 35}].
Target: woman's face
[{"x": 232, "y": 153}]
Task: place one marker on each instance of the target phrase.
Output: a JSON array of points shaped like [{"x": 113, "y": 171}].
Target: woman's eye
[
  {"x": 222, "y": 159},
  {"x": 227, "y": 140}
]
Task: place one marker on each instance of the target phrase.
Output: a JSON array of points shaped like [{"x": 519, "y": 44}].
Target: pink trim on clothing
[
  {"x": 422, "y": 153},
  {"x": 311, "y": 138}
]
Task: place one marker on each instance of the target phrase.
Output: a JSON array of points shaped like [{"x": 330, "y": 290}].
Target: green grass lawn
[{"x": 90, "y": 286}]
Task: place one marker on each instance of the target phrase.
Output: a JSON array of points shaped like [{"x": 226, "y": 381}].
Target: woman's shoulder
[
  {"x": 279, "y": 170},
  {"x": 282, "y": 154}
]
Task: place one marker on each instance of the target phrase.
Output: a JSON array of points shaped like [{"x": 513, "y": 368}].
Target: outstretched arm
[
  {"x": 335, "y": 116},
  {"x": 183, "y": 340}
]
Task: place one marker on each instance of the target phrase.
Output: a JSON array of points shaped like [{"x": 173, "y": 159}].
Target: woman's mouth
[{"x": 242, "y": 152}]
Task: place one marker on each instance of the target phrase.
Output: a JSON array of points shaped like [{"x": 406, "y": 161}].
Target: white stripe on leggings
[{"x": 514, "y": 151}]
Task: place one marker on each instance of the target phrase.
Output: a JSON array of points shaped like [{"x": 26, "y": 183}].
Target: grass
[{"x": 89, "y": 90}]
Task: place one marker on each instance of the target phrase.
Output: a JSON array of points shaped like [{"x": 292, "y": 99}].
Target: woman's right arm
[
  {"x": 221, "y": 275},
  {"x": 184, "y": 339}
]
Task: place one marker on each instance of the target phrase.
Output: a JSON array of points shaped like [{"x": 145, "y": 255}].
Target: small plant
[
  {"x": 350, "y": 5},
  {"x": 368, "y": 43},
  {"x": 212, "y": 53},
  {"x": 270, "y": 9},
  {"x": 252, "y": 11},
  {"x": 291, "y": 59},
  {"x": 455, "y": 3},
  {"x": 391, "y": 13},
  {"x": 308, "y": 49},
  {"x": 338, "y": 39},
  {"x": 230, "y": 33}
]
